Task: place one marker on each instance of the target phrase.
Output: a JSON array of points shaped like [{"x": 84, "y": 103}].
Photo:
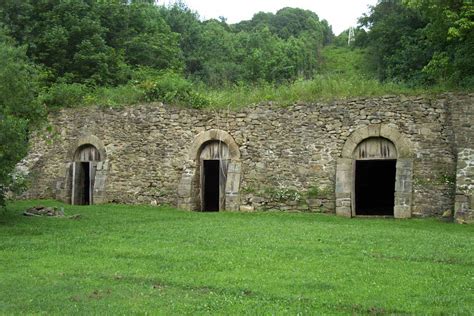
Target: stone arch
[
  {"x": 97, "y": 169},
  {"x": 404, "y": 170},
  {"x": 214, "y": 135},
  {"x": 88, "y": 140},
  {"x": 87, "y": 152},
  {"x": 188, "y": 190}
]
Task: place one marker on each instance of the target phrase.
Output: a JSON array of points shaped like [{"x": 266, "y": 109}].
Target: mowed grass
[{"x": 119, "y": 259}]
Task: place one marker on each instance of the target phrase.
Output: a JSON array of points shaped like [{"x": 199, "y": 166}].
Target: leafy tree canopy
[
  {"x": 421, "y": 41},
  {"x": 19, "y": 109}
]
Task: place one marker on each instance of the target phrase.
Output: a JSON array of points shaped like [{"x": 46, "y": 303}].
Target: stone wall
[
  {"x": 287, "y": 155},
  {"x": 462, "y": 110}
]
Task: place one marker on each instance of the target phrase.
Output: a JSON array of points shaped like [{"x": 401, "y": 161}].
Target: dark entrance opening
[
  {"x": 82, "y": 174},
  {"x": 86, "y": 184},
  {"x": 82, "y": 183},
  {"x": 210, "y": 185},
  {"x": 375, "y": 187}
]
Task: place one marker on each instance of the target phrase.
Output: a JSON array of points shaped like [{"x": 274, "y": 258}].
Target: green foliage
[
  {"x": 13, "y": 147},
  {"x": 92, "y": 42},
  {"x": 345, "y": 61},
  {"x": 98, "y": 42},
  {"x": 422, "y": 41},
  {"x": 149, "y": 40},
  {"x": 109, "y": 52},
  {"x": 322, "y": 88},
  {"x": 65, "y": 95},
  {"x": 289, "y": 22},
  {"x": 19, "y": 109},
  {"x": 317, "y": 192},
  {"x": 283, "y": 194},
  {"x": 396, "y": 46},
  {"x": 271, "y": 48},
  {"x": 173, "y": 88},
  {"x": 115, "y": 96},
  {"x": 230, "y": 263}
]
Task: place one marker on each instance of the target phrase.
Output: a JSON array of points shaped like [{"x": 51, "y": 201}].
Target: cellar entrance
[
  {"x": 374, "y": 183},
  {"x": 83, "y": 175},
  {"x": 83, "y": 184},
  {"x": 212, "y": 175},
  {"x": 375, "y": 187},
  {"x": 214, "y": 163},
  {"x": 374, "y": 173},
  {"x": 211, "y": 185}
]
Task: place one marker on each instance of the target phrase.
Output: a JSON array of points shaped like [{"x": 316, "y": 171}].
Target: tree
[
  {"x": 92, "y": 42},
  {"x": 19, "y": 109},
  {"x": 421, "y": 41},
  {"x": 450, "y": 32},
  {"x": 150, "y": 41},
  {"x": 186, "y": 23},
  {"x": 396, "y": 46}
]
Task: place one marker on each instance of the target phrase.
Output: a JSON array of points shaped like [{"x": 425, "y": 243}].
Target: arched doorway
[
  {"x": 211, "y": 174},
  {"x": 214, "y": 161},
  {"x": 84, "y": 170},
  {"x": 374, "y": 183},
  {"x": 377, "y": 161}
]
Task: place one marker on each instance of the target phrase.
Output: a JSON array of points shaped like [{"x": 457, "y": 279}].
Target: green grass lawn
[{"x": 119, "y": 259}]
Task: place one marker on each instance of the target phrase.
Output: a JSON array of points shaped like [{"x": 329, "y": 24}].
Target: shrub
[
  {"x": 115, "y": 96},
  {"x": 173, "y": 88},
  {"x": 65, "y": 95}
]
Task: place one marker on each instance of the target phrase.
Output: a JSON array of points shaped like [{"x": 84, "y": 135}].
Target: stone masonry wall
[
  {"x": 288, "y": 154},
  {"x": 462, "y": 110}
]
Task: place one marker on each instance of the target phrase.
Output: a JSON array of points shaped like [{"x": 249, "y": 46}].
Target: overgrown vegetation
[
  {"x": 118, "y": 259},
  {"x": 97, "y": 52},
  {"x": 19, "y": 109}
]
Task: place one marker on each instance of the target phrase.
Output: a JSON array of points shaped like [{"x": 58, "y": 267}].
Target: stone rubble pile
[{"x": 44, "y": 211}]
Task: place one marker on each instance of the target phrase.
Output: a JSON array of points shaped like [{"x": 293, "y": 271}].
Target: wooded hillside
[{"x": 165, "y": 52}]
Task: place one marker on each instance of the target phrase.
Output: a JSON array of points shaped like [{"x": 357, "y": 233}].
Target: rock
[
  {"x": 26, "y": 213},
  {"x": 44, "y": 211},
  {"x": 447, "y": 213},
  {"x": 314, "y": 202},
  {"x": 247, "y": 208}
]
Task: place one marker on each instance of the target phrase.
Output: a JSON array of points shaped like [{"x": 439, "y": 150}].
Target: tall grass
[
  {"x": 321, "y": 88},
  {"x": 344, "y": 74},
  {"x": 324, "y": 87},
  {"x": 115, "y": 96}
]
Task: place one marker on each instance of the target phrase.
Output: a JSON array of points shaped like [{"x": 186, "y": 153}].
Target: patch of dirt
[
  {"x": 97, "y": 295},
  {"x": 158, "y": 286}
]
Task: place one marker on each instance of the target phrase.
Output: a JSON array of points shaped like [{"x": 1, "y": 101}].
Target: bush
[
  {"x": 20, "y": 111},
  {"x": 114, "y": 96},
  {"x": 13, "y": 147},
  {"x": 173, "y": 88},
  {"x": 65, "y": 95}
]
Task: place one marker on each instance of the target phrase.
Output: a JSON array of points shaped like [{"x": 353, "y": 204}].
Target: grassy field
[{"x": 120, "y": 259}]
